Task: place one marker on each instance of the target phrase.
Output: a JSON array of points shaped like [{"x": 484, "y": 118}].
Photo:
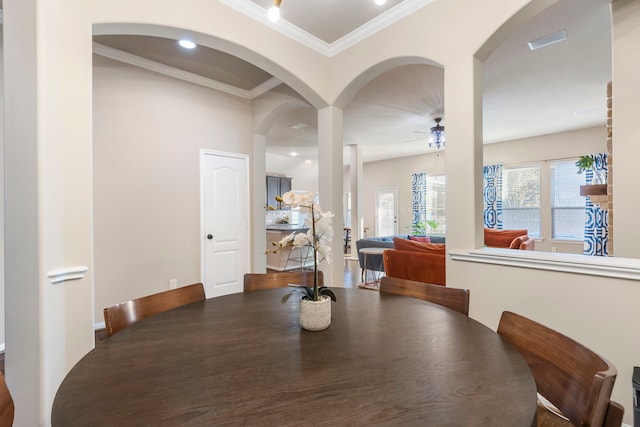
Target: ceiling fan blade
[{"x": 416, "y": 139}]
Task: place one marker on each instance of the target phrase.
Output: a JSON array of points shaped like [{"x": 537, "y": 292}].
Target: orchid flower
[{"x": 318, "y": 236}]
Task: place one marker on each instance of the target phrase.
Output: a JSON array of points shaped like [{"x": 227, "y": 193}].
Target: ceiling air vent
[{"x": 548, "y": 40}]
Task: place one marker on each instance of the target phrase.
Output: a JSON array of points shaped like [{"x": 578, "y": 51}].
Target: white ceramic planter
[{"x": 315, "y": 315}]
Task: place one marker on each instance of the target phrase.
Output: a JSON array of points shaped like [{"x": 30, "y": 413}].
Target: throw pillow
[
  {"x": 411, "y": 245},
  {"x": 423, "y": 239},
  {"x": 515, "y": 244}
]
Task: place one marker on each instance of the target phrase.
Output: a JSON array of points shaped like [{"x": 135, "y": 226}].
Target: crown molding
[
  {"x": 283, "y": 26},
  {"x": 147, "y": 64},
  {"x": 264, "y": 87},
  {"x": 380, "y": 22},
  {"x": 252, "y": 10}
]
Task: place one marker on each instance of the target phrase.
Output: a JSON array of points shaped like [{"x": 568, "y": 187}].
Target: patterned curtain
[
  {"x": 492, "y": 193},
  {"x": 596, "y": 227},
  {"x": 419, "y": 190}
]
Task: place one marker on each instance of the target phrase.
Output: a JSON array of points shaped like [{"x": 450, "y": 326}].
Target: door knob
[{"x": 209, "y": 236}]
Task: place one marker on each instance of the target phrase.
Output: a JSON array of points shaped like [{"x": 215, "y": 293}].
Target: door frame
[
  {"x": 375, "y": 208},
  {"x": 203, "y": 254}
]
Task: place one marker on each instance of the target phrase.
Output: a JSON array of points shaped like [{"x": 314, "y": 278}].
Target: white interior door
[
  {"x": 225, "y": 230},
  {"x": 386, "y": 211}
]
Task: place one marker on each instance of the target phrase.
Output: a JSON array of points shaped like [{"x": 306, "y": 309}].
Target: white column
[
  {"x": 48, "y": 197},
  {"x": 258, "y": 180},
  {"x": 357, "y": 219},
  {"x": 330, "y": 171},
  {"x": 626, "y": 131},
  {"x": 463, "y": 112}
]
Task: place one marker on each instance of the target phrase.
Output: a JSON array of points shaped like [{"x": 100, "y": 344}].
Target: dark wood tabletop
[{"x": 243, "y": 360}]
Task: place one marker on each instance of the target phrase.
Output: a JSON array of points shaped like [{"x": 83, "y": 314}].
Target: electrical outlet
[
  {"x": 173, "y": 283},
  {"x": 554, "y": 249}
]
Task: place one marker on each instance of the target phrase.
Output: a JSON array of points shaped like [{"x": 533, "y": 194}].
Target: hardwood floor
[
  {"x": 351, "y": 280},
  {"x": 351, "y": 273}
]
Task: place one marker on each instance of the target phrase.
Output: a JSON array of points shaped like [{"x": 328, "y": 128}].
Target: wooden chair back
[
  {"x": 257, "y": 281},
  {"x": 6, "y": 404},
  {"x": 453, "y": 298},
  {"x": 121, "y": 316},
  {"x": 577, "y": 381}
]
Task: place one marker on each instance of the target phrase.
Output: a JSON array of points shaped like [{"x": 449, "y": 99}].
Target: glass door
[{"x": 386, "y": 211}]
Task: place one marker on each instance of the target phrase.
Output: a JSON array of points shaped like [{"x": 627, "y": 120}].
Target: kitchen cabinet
[{"x": 277, "y": 186}]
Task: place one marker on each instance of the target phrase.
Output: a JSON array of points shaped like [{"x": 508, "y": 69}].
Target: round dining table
[{"x": 243, "y": 360}]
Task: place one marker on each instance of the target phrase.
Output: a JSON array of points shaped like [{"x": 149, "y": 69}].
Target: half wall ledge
[{"x": 620, "y": 268}]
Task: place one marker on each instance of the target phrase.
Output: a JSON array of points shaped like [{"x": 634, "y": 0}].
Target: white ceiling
[
  {"x": 331, "y": 20},
  {"x": 558, "y": 88}
]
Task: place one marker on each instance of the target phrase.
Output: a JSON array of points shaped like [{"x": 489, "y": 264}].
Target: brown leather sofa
[
  {"x": 509, "y": 239},
  {"x": 418, "y": 261}
]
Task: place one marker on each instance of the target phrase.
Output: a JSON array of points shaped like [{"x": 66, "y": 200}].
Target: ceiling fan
[{"x": 437, "y": 138}]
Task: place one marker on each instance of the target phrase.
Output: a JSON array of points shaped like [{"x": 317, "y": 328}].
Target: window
[
  {"x": 521, "y": 198},
  {"x": 567, "y": 206},
  {"x": 435, "y": 203}
]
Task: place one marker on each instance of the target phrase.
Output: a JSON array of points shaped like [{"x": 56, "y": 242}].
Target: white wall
[
  {"x": 1, "y": 200},
  {"x": 148, "y": 130},
  {"x": 48, "y": 198},
  {"x": 626, "y": 130}
]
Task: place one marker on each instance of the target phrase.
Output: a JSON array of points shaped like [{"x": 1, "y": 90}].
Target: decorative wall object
[
  {"x": 492, "y": 194},
  {"x": 419, "y": 191},
  {"x": 596, "y": 228}
]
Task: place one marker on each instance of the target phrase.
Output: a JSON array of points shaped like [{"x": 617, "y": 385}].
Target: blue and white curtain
[
  {"x": 492, "y": 194},
  {"x": 596, "y": 228},
  {"x": 419, "y": 191}
]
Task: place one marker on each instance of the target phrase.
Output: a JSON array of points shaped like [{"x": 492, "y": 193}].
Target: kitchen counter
[{"x": 287, "y": 258}]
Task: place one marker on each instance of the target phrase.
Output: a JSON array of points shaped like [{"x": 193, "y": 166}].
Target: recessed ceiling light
[
  {"x": 297, "y": 126},
  {"x": 380, "y": 2},
  {"x": 187, "y": 44},
  {"x": 293, "y": 154},
  {"x": 548, "y": 40}
]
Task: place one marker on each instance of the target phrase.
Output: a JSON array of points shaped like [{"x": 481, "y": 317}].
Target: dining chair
[
  {"x": 257, "y": 281},
  {"x": 121, "y": 316},
  {"x": 572, "y": 378},
  {"x": 6, "y": 404},
  {"x": 454, "y": 298}
]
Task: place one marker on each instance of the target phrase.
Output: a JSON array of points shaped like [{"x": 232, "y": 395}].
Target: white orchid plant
[{"x": 318, "y": 237}]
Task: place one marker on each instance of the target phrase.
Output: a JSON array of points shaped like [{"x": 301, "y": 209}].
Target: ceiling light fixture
[
  {"x": 274, "y": 11},
  {"x": 548, "y": 40},
  {"x": 437, "y": 132},
  {"x": 380, "y": 2},
  {"x": 187, "y": 44}
]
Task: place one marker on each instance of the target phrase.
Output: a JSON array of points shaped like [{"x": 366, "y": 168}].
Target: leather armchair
[{"x": 416, "y": 261}]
